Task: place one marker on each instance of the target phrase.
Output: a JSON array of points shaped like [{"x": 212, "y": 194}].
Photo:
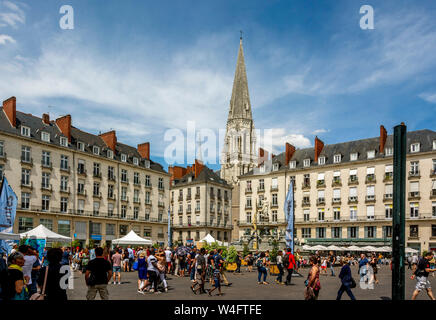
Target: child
[
  {"x": 217, "y": 284},
  {"x": 324, "y": 266}
]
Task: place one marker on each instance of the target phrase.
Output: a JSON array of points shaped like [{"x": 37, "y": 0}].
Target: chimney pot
[
  {"x": 10, "y": 109},
  {"x": 64, "y": 125},
  {"x": 383, "y": 137},
  {"x": 319, "y": 145},
  {"x": 144, "y": 150},
  {"x": 290, "y": 149},
  {"x": 45, "y": 118}
]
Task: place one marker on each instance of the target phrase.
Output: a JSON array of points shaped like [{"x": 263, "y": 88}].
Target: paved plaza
[{"x": 244, "y": 286}]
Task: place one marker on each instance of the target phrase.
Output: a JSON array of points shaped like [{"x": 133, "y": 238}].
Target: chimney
[
  {"x": 198, "y": 166},
  {"x": 144, "y": 150},
  {"x": 319, "y": 145},
  {"x": 45, "y": 118},
  {"x": 64, "y": 125},
  {"x": 110, "y": 138},
  {"x": 263, "y": 156},
  {"x": 290, "y": 149},
  {"x": 10, "y": 109},
  {"x": 176, "y": 172},
  {"x": 383, "y": 136}
]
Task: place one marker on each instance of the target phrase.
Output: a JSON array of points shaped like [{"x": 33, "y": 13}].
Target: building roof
[
  {"x": 424, "y": 137},
  {"x": 206, "y": 175},
  {"x": 37, "y": 126}
]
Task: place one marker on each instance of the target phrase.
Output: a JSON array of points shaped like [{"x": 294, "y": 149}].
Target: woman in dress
[
  {"x": 373, "y": 263},
  {"x": 142, "y": 273}
]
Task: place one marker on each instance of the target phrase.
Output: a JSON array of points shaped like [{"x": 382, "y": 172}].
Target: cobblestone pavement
[{"x": 244, "y": 286}]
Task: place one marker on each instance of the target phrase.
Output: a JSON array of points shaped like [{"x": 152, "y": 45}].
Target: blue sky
[{"x": 142, "y": 67}]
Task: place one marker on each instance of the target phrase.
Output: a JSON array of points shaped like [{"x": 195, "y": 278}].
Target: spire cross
[{"x": 241, "y": 34}]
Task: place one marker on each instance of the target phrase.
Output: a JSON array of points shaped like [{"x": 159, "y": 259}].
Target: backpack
[
  {"x": 286, "y": 261},
  {"x": 259, "y": 263}
]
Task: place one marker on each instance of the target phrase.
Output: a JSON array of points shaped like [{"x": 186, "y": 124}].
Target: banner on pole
[
  {"x": 8, "y": 210},
  {"x": 289, "y": 213}
]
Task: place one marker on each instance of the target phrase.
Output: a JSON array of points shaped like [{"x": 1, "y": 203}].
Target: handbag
[
  {"x": 353, "y": 283},
  {"x": 41, "y": 295},
  {"x": 135, "y": 265},
  {"x": 309, "y": 294}
]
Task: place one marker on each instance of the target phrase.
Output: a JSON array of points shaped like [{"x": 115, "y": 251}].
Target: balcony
[
  {"x": 226, "y": 199},
  {"x": 81, "y": 192},
  {"x": 220, "y": 197},
  {"x": 433, "y": 194},
  {"x": 260, "y": 189},
  {"x": 370, "y": 179},
  {"x": 65, "y": 191},
  {"x": 336, "y": 183},
  {"x": 188, "y": 197},
  {"x": 197, "y": 210},
  {"x": 136, "y": 200},
  {"x": 188, "y": 210},
  {"x": 47, "y": 165},
  {"x": 27, "y": 162},
  {"x": 112, "y": 197},
  {"x": 125, "y": 181},
  {"x": 65, "y": 169},
  {"x": 414, "y": 174},
  {"x": 336, "y": 201},
  {"x": 305, "y": 185},
  {"x": 112, "y": 178},
  {"x": 136, "y": 183},
  {"x": 180, "y": 198},
  {"x": 28, "y": 186},
  {"x": 248, "y": 206},
  {"x": 352, "y": 199},
  {"x": 161, "y": 189},
  {"x": 124, "y": 199},
  {"x": 82, "y": 173},
  {"x": 46, "y": 187},
  {"x": 147, "y": 185},
  {"x": 148, "y": 202},
  {"x": 274, "y": 188},
  {"x": 180, "y": 212},
  {"x": 305, "y": 203},
  {"x": 320, "y": 183},
  {"x": 370, "y": 199},
  {"x": 212, "y": 196},
  {"x": 388, "y": 197},
  {"x": 161, "y": 204},
  {"x": 248, "y": 190},
  {"x": 388, "y": 177},
  {"x": 97, "y": 195},
  {"x": 197, "y": 196},
  {"x": 96, "y": 175},
  {"x": 352, "y": 181},
  {"x": 274, "y": 205},
  {"x": 414, "y": 196},
  {"x": 320, "y": 201}
]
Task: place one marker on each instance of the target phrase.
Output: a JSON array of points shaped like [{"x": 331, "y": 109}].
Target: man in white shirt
[
  {"x": 29, "y": 259},
  {"x": 168, "y": 256},
  {"x": 152, "y": 271}
]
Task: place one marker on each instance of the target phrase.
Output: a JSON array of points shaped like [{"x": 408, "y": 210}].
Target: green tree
[
  {"x": 231, "y": 254},
  {"x": 274, "y": 251}
]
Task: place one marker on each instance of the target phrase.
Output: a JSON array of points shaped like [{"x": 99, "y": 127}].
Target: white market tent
[
  {"x": 9, "y": 236},
  {"x": 410, "y": 250},
  {"x": 369, "y": 249},
  {"x": 209, "y": 239},
  {"x": 132, "y": 238},
  {"x": 306, "y": 247},
  {"x": 319, "y": 248},
  {"x": 353, "y": 248},
  {"x": 41, "y": 232},
  {"x": 335, "y": 248},
  {"x": 386, "y": 249}
]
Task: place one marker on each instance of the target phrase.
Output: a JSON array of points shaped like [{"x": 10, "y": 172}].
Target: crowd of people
[{"x": 25, "y": 276}]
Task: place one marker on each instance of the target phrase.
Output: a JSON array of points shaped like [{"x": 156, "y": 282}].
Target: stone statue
[{"x": 264, "y": 213}]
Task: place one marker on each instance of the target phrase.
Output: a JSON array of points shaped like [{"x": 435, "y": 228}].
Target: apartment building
[
  {"x": 200, "y": 204},
  {"x": 343, "y": 192},
  {"x": 79, "y": 184}
]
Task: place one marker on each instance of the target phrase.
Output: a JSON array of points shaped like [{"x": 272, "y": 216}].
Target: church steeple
[{"x": 240, "y": 106}]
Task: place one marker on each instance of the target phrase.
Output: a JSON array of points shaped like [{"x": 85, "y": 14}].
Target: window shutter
[
  {"x": 370, "y": 190},
  {"x": 370, "y": 211},
  {"x": 414, "y": 186},
  {"x": 353, "y": 192},
  {"x": 370, "y": 170},
  {"x": 336, "y": 193},
  {"x": 389, "y": 168},
  {"x": 336, "y": 174},
  {"x": 320, "y": 176},
  {"x": 389, "y": 189},
  {"x": 353, "y": 172}
]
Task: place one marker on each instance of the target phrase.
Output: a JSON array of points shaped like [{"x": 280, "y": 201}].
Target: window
[
  {"x": 320, "y": 180},
  {"x": 414, "y": 168},
  {"x": 353, "y": 232},
  {"x": 389, "y": 169},
  {"x": 45, "y": 136},
  {"x": 274, "y": 199},
  {"x": 147, "y": 181},
  {"x": 136, "y": 195},
  {"x": 336, "y": 195},
  {"x": 353, "y": 156},
  {"x": 262, "y": 168},
  {"x": 46, "y": 159},
  {"x": 110, "y": 229},
  {"x": 434, "y": 144},
  {"x": 336, "y": 214},
  {"x": 123, "y": 193},
  {"x": 370, "y": 212},
  {"x": 25, "y": 177},
  {"x": 389, "y": 190},
  {"x": 96, "y": 208},
  {"x": 353, "y": 194},
  {"x": 63, "y": 142},
  {"x": 136, "y": 178},
  {"x": 64, "y": 227},
  {"x": 370, "y": 232},
  {"x": 2, "y": 171},
  {"x": 123, "y": 211},
  {"x": 45, "y": 183},
  {"x": 81, "y": 166},
  {"x": 306, "y": 198},
  {"x": 353, "y": 213},
  {"x": 123, "y": 157},
  {"x": 320, "y": 233},
  {"x": 413, "y": 231},
  {"x": 25, "y": 131},
  {"x": 80, "y": 205},
  {"x": 123, "y": 175},
  {"x": 388, "y": 211},
  {"x": 434, "y": 167},
  {"x": 306, "y": 180},
  {"x": 81, "y": 187},
  {"x": 414, "y": 147},
  {"x": 370, "y": 193},
  {"x": 64, "y": 204},
  {"x": 337, "y": 158},
  {"x": 321, "y": 215},
  {"x": 96, "y": 150},
  {"x": 80, "y": 146},
  {"x": 306, "y": 163},
  {"x": 96, "y": 190},
  {"x": 414, "y": 210},
  {"x": 110, "y": 154},
  {"x": 353, "y": 175},
  {"x": 147, "y": 163},
  {"x": 336, "y": 177},
  {"x": 197, "y": 206},
  {"x": 97, "y": 172},
  {"x": 135, "y": 161},
  {"x": 2, "y": 148},
  {"x": 387, "y": 232},
  {"x": 433, "y": 209},
  {"x": 336, "y": 232},
  {"x": 64, "y": 162},
  {"x": 25, "y": 154},
  {"x": 24, "y": 224},
  {"x": 370, "y": 174},
  {"x": 45, "y": 203},
  {"x": 275, "y": 167},
  {"x": 25, "y": 200},
  {"x": 321, "y": 160},
  {"x": 110, "y": 209},
  {"x": 147, "y": 197},
  {"x": 306, "y": 233},
  {"x": 248, "y": 202},
  {"x": 292, "y": 164},
  {"x": 389, "y": 151},
  {"x": 306, "y": 215},
  {"x": 110, "y": 173},
  {"x": 414, "y": 189},
  {"x": 321, "y": 198},
  {"x": 160, "y": 184},
  {"x": 274, "y": 184},
  {"x": 370, "y": 154},
  {"x": 261, "y": 184},
  {"x": 48, "y": 223}
]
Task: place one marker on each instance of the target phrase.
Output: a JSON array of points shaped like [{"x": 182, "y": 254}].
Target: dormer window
[
  {"x": 389, "y": 151},
  {"x": 353, "y": 156},
  {"x": 337, "y": 158},
  {"x": 45, "y": 136},
  {"x": 370, "y": 154},
  {"x": 306, "y": 163},
  {"x": 110, "y": 154},
  {"x": 63, "y": 142},
  {"x": 414, "y": 147},
  {"x": 321, "y": 160},
  {"x": 96, "y": 150},
  {"x": 275, "y": 167},
  {"x": 147, "y": 164},
  {"x": 135, "y": 161},
  {"x": 25, "y": 131},
  {"x": 262, "y": 168},
  {"x": 80, "y": 146},
  {"x": 292, "y": 164},
  {"x": 434, "y": 144},
  {"x": 123, "y": 157}
]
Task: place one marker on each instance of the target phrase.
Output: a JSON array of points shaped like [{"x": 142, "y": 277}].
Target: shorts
[
  {"x": 323, "y": 267},
  {"x": 116, "y": 269},
  {"x": 422, "y": 283},
  {"x": 216, "y": 283},
  {"x": 126, "y": 260}
]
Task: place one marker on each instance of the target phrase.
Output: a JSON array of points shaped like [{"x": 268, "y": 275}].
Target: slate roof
[
  {"x": 206, "y": 175},
  {"x": 424, "y": 137},
  {"x": 36, "y": 126}
]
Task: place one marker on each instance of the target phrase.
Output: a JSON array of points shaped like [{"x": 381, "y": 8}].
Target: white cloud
[
  {"x": 429, "y": 97},
  {"x": 12, "y": 18},
  {"x": 318, "y": 131},
  {"x": 5, "y": 38},
  {"x": 278, "y": 138}
]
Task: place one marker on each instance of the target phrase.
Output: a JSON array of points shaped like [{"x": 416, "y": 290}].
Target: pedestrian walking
[
  {"x": 116, "y": 266},
  {"x": 162, "y": 267},
  {"x": 261, "y": 268},
  {"x": 313, "y": 284},
  {"x": 421, "y": 273},
  {"x": 53, "y": 290},
  {"x": 97, "y": 276},
  {"x": 279, "y": 259},
  {"x": 216, "y": 283},
  {"x": 152, "y": 271},
  {"x": 14, "y": 284},
  {"x": 332, "y": 261},
  {"x": 250, "y": 260},
  {"x": 347, "y": 281},
  {"x": 219, "y": 264},
  {"x": 200, "y": 266},
  {"x": 142, "y": 273},
  {"x": 289, "y": 264}
]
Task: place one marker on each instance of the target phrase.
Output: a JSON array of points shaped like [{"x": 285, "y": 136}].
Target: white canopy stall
[
  {"x": 9, "y": 236},
  {"x": 132, "y": 238},
  {"x": 209, "y": 239},
  {"x": 41, "y": 232}
]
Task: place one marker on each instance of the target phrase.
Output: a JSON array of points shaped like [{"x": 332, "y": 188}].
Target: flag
[
  {"x": 8, "y": 209},
  {"x": 289, "y": 214}
]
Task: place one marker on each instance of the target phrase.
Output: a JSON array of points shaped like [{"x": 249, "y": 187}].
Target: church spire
[{"x": 240, "y": 106}]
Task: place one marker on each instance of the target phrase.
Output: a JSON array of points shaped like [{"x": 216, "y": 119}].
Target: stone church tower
[{"x": 238, "y": 155}]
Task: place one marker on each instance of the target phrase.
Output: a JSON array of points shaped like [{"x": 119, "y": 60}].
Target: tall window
[
  {"x": 136, "y": 178},
  {"x": 97, "y": 169},
  {"x": 123, "y": 193},
  {"x": 96, "y": 189},
  {"x": 320, "y": 233},
  {"x": 110, "y": 191},
  {"x": 64, "y": 162},
  {"x": 80, "y": 205},
  {"x": 274, "y": 199},
  {"x": 353, "y": 232},
  {"x": 336, "y": 232},
  {"x": 45, "y": 136},
  {"x": 414, "y": 231},
  {"x": 306, "y": 215},
  {"x": 123, "y": 175},
  {"x": 96, "y": 208},
  {"x": 414, "y": 168},
  {"x": 110, "y": 209},
  {"x": 81, "y": 167},
  {"x": 274, "y": 215},
  {"x": 306, "y": 233},
  {"x": 370, "y": 232},
  {"x": 160, "y": 184},
  {"x": 45, "y": 203},
  {"x": 64, "y": 183},
  {"x": 45, "y": 180},
  {"x": 388, "y": 211},
  {"x": 414, "y": 210},
  {"x": 370, "y": 212},
  {"x": 321, "y": 214},
  {"x": 147, "y": 181},
  {"x": 261, "y": 184},
  {"x": 25, "y": 154},
  {"x": 353, "y": 213},
  {"x": 123, "y": 211},
  {"x": 46, "y": 159},
  {"x": 147, "y": 197},
  {"x": 336, "y": 214},
  {"x": 25, "y": 177},
  {"x": 25, "y": 200},
  {"x": 110, "y": 173},
  {"x": 64, "y": 204}
]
